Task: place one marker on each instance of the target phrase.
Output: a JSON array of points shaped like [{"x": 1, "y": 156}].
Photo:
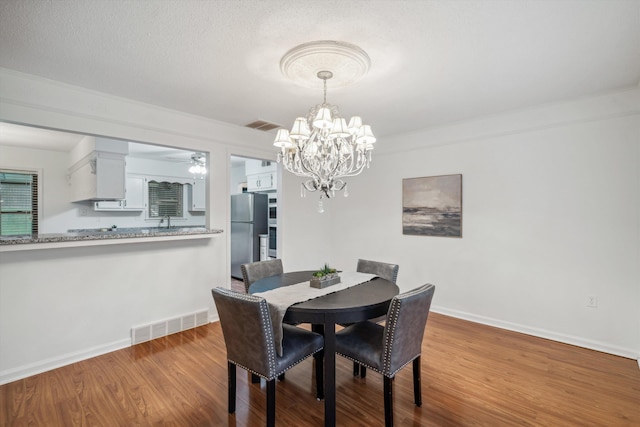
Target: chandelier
[
  {"x": 322, "y": 147},
  {"x": 198, "y": 165}
]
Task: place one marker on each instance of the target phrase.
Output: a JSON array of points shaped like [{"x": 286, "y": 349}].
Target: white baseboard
[
  {"x": 24, "y": 371},
  {"x": 18, "y": 373},
  {"x": 10, "y": 375},
  {"x": 541, "y": 333}
]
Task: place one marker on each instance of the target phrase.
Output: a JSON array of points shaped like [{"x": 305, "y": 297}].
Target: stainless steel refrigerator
[{"x": 249, "y": 219}]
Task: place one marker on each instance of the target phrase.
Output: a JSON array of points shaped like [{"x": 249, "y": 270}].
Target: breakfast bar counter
[{"x": 92, "y": 237}]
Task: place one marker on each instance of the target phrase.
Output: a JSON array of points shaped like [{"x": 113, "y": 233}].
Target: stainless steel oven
[
  {"x": 273, "y": 241},
  {"x": 273, "y": 222},
  {"x": 273, "y": 214},
  {"x": 273, "y": 209}
]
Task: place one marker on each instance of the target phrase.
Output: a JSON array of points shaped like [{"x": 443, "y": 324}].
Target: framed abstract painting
[{"x": 432, "y": 206}]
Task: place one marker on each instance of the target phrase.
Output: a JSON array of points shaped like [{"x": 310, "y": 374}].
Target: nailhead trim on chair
[
  {"x": 271, "y": 346},
  {"x": 391, "y": 375},
  {"x": 246, "y": 297},
  {"x": 277, "y": 374},
  {"x": 245, "y": 278},
  {"x": 266, "y": 318},
  {"x": 392, "y": 321}
]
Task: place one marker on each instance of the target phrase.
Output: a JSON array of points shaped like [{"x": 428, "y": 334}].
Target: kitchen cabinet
[
  {"x": 99, "y": 176},
  {"x": 256, "y": 167},
  {"x": 135, "y": 194},
  {"x": 261, "y": 182},
  {"x": 197, "y": 196},
  {"x": 135, "y": 199},
  {"x": 108, "y": 205}
]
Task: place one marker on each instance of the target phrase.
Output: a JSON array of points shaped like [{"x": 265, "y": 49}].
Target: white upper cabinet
[
  {"x": 101, "y": 176},
  {"x": 261, "y": 175},
  {"x": 98, "y": 169},
  {"x": 197, "y": 196},
  {"x": 135, "y": 193},
  {"x": 261, "y": 182}
]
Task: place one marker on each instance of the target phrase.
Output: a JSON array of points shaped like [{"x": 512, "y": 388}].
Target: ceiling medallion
[
  {"x": 346, "y": 61},
  {"x": 321, "y": 147}
]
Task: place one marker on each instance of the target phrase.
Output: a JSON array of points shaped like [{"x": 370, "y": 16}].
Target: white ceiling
[{"x": 432, "y": 62}]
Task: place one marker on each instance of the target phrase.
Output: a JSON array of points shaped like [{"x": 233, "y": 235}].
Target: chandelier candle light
[{"x": 322, "y": 146}]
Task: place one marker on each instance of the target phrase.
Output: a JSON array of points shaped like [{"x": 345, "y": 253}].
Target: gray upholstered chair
[
  {"x": 248, "y": 335},
  {"x": 387, "y": 349},
  {"x": 255, "y": 271},
  {"x": 260, "y": 269},
  {"x": 380, "y": 269}
]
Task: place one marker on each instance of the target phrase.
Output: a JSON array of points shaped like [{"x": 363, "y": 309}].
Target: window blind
[
  {"x": 18, "y": 203},
  {"x": 165, "y": 199}
]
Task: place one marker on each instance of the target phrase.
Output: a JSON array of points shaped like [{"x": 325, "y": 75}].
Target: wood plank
[{"x": 471, "y": 375}]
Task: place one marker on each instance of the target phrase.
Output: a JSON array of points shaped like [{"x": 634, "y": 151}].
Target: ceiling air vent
[{"x": 262, "y": 125}]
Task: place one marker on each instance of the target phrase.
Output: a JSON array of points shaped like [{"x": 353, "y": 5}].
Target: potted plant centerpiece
[{"x": 324, "y": 277}]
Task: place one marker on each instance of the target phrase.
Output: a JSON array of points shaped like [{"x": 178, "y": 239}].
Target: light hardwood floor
[{"x": 472, "y": 375}]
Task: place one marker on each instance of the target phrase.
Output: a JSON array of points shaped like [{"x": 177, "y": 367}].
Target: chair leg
[
  {"x": 231, "y": 381},
  {"x": 388, "y": 402},
  {"x": 363, "y": 371},
  {"x": 356, "y": 369},
  {"x": 281, "y": 377},
  {"x": 318, "y": 359},
  {"x": 255, "y": 379},
  {"x": 271, "y": 403},
  {"x": 417, "y": 389}
]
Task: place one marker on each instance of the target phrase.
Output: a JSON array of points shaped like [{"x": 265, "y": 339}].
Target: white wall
[
  {"x": 62, "y": 305},
  {"x": 551, "y": 214},
  {"x": 237, "y": 177},
  {"x": 304, "y": 235},
  {"x": 56, "y": 210}
]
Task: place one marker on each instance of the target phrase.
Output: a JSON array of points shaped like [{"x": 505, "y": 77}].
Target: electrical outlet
[
  {"x": 592, "y": 301},
  {"x": 84, "y": 211}
]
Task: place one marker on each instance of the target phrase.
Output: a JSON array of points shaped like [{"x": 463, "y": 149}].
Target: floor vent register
[{"x": 162, "y": 328}]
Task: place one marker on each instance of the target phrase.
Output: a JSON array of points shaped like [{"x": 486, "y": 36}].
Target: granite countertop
[{"x": 106, "y": 234}]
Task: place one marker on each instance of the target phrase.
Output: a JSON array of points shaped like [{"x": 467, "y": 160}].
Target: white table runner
[{"x": 280, "y": 299}]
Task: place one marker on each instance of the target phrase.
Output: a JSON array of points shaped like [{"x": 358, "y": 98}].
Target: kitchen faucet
[{"x": 168, "y": 220}]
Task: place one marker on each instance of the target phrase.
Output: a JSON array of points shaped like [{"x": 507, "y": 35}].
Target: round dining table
[{"x": 355, "y": 304}]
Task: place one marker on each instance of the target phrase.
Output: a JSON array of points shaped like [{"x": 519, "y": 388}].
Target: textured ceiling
[{"x": 432, "y": 62}]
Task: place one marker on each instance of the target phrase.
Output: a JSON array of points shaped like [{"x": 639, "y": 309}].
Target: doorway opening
[{"x": 254, "y": 213}]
